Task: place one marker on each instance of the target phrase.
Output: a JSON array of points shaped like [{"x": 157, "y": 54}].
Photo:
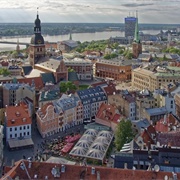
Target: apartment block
[
  {"x": 83, "y": 67},
  {"x": 146, "y": 79},
  {"x": 116, "y": 69}
]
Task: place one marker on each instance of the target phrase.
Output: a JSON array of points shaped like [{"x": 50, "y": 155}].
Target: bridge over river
[{"x": 11, "y": 42}]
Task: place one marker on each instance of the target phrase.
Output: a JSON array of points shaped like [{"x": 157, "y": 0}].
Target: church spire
[
  {"x": 70, "y": 36},
  {"x": 136, "y": 33}
]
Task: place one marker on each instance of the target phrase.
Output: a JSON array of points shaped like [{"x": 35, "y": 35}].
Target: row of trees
[{"x": 172, "y": 50}]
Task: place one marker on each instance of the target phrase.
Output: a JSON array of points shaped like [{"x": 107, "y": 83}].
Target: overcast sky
[{"x": 95, "y": 11}]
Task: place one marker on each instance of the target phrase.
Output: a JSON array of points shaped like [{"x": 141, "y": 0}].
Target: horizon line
[{"x": 89, "y": 23}]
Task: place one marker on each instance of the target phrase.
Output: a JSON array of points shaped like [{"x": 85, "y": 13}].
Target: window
[
  {"x": 28, "y": 133},
  {"x": 20, "y": 128},
  {"x": 24, "y": 127},
  {"x": 10, "y": 135},
  {"x": 10, "y": 129},
  {"x": 24, "y": 133},
  {"x": 15, "y": 128},
  {"x": 15, "y": 135},
  {"x": 28, "y": 126}
]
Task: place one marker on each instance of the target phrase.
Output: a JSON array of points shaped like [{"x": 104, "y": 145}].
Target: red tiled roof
[
  {"x": 169, "y": 138},
  {"x": 75, "y": 172},
  {"x": 148, "y": 135},
  {"x": 17, "y": 116},
  {"x": 44, "y": 107},
  {"x": 110, "y": 89},
  {"x": 165, "y": 124},
  {"x": 98, "y": 84},
  {"x": 108, "y": 112},
  {"x": 4, "y": 63},
  {"x": 49, "y": 45},
  {"x": 37, "y": 81}
]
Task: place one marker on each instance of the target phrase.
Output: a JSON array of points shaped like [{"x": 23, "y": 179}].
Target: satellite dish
[
  {"x": 165, "y": 177},
  {"x": 156, "y": 168}
]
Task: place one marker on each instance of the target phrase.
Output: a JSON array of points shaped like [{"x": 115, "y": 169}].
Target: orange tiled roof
[
  {"x": 51, "y": 45},
  {"x": 164, "y": 126},
  {"x": 75, "y": 172},
  {"x": 108, "y": 112},
  {"x": 15, "y": 115}
]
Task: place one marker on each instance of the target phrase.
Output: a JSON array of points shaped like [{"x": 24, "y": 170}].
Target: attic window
[
  {"x": 17, "y": 113},
  {"x": 24, "y": 119},
  {"x": 12, "y": 121}
]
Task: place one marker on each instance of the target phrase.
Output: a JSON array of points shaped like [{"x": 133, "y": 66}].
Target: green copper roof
[{"x": 136, "y": 33}]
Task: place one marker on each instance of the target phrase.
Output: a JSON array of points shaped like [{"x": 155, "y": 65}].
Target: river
[{"x": 82, "y": 37}]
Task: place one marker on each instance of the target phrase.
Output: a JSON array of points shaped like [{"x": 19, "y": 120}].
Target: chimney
[
  {"x": 165, "y": 119},
  {"x": 63, "y": 168},
  {"x": 174, "y": 176},
  {"x": 30, "y": 164},
  {"x": 125, "y": 165},
  {"x": 92, "y": 170},
  {"x": 22, "y": 166},
  {"x": 12, "y": 163},
  {"x": 98, "y": 175},
  {"x": 149, "y": 167}
]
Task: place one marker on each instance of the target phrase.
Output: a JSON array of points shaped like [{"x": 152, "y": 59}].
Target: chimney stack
[{"x": 125, "y": 165}]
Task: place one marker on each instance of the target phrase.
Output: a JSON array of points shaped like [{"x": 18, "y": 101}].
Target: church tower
[
  {"x": 17, "y": 47},
  {"x": 37, "y": 46},
  {"x": 136, "y": 46}
]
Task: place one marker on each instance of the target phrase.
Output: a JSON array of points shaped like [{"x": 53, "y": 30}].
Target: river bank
[{"x": 82, "y": 37}]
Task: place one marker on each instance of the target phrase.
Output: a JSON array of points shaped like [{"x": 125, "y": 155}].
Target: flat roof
[
  {"x": 20, "y": 143},
  {"x": 143, "y": 71},
  {"x": 156, "y": 111}
]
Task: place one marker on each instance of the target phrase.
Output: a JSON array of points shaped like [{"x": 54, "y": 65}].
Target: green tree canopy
[
  {"x": 70, "y": 69},
  {"x": 124, "y": 133},
  {"x": 4, "y": 72},
  {"x": 65, "y": 86}
]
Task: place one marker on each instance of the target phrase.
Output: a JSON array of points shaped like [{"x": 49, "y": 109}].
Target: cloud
[
  {"x": 89, "y": 10},
  {"x": 137, "y": 4}
]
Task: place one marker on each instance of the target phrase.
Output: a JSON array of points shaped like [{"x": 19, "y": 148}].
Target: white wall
[{"x": 18, "y": 130}]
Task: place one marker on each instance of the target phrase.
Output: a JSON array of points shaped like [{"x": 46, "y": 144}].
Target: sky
[{"x": 90, "y": 11}]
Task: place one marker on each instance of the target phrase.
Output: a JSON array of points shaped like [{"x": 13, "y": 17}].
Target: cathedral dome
[{"x": 37, "y": 39}]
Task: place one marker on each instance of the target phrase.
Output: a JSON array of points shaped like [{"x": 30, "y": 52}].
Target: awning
[{"x": 20, "y": 143}]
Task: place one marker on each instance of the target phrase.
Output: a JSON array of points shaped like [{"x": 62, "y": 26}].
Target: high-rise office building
[{"x": 130, "y": 23}]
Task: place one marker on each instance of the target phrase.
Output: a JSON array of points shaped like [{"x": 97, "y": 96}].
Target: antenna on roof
[{"x": 23, "y": 167}]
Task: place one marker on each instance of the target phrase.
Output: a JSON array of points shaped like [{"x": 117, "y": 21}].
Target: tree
[
  {"x": 124, "y": 133},
  {"x": 107, "y": 56},
  {"x": 113, "y": 55},
  {"x": 67, "y": 86},
  {"x": 4, "y": 72},
  {"x": 70, "y": 69}
]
